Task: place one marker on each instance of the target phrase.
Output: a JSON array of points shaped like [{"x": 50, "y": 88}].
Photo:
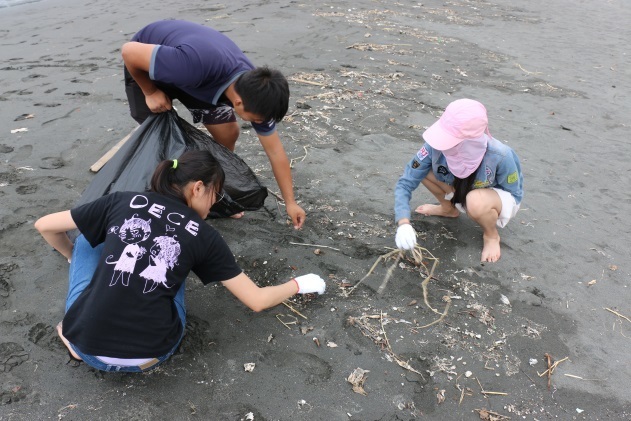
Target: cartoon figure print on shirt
[
  {"x": 163, "y": 255},
  {"x": 132, "y": 232}
]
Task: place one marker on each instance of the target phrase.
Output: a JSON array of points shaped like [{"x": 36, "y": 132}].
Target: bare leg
[
  {"x": 439, "y": 190},
  {"x": 65, "y": 341},
  {"x": 484, "y": 207},
  {"x": 225, "y": 134}
]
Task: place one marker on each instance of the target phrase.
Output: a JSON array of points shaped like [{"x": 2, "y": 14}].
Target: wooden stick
[
  {"x": 618, "y": 314},
  {"x": 276, "y": 195},
  {"x": 382, "y": 287},
  {"x": 109, "y": 154},
  {"x": 313, "y": 245},
  {"x": 294, "y": 310},
  {"x": 308, "y": 82},
  {"x": 485, "y": 392}
]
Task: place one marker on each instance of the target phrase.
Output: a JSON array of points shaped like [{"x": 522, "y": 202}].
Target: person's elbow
[
  {"x": 125, "y": 51},
  {"x": 257, "y": 308}
]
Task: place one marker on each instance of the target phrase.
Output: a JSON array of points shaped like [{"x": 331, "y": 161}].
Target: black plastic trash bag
[{"x": 166, "y": 136}]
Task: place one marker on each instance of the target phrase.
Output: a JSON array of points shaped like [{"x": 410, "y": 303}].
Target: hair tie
[{"x": 174, "y": 164}]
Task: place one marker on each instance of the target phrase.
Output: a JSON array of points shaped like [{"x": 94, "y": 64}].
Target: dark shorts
[{"x": 201, "y": 111}]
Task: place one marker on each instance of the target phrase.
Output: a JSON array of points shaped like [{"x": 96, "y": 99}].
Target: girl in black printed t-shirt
[{"x": 125, "y": 305}]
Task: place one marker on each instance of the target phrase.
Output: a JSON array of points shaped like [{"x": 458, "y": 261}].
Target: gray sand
[{"x": 367, "y": 77}]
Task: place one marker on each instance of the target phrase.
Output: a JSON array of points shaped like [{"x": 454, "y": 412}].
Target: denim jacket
[{"x": 499, "y": 168}]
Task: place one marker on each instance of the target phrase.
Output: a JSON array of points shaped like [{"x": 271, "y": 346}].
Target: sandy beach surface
[{"x": 366, "y": 78}]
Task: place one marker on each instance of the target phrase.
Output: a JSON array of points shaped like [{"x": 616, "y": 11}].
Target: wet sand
[{"x": 366, "y": 78}]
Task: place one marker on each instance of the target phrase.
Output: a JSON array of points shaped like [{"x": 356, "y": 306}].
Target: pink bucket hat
[
  {"x": 462, "y": 119},
  {"x": 460, "y": 135}
]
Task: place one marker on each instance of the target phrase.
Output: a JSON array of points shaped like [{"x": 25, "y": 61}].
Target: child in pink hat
[{"x": 467, "y": 171}]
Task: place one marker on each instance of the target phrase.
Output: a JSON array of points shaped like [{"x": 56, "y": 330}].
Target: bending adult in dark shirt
[
  {"x": 125, "y": 309},
  {"x": 212, "y": 77}
]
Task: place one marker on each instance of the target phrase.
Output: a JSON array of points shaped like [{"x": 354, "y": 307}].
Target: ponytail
[{"x": 172, "y": 175}]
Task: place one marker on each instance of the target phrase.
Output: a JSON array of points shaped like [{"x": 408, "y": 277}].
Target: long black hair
[
  {"x": 462, "y": 187},
  {"x": 170, "y": 178}
]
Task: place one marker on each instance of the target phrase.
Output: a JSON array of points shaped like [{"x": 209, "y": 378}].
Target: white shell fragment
[{"x": 249, "y": 367}]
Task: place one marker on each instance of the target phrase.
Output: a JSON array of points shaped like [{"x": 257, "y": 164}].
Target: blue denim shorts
[{"x": 84, "y": 263}]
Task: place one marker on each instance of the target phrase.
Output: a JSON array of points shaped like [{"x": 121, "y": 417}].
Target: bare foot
[
  {"x": 438, "y": 210},
  {"x": 237, "y": 215},
  {"x": 65, "y": 341},
  {"x": 491, "y": 249}
]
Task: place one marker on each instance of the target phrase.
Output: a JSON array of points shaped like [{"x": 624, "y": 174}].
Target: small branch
[
  {"x": 286, "y": 304},
  {"x": 486, "y": 392},
  {"x": 313, "y": 245},
  {"x": 618, "y": 314},
  {"x": 308, "y": 82},
  {"x": 285, "y": 324}
]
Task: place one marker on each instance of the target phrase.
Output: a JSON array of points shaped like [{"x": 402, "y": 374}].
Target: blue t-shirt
[{"x": 197, "y": 60}]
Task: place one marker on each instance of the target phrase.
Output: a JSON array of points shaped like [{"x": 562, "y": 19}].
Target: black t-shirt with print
[{"x": 151, "y": 243}]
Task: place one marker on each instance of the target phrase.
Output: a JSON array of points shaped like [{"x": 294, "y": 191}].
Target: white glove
[
  {"x": 308, "y": 284},
  {"x": 406, "y": 237}
]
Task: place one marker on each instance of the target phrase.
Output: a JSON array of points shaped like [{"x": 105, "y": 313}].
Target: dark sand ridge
[{"x": 555, "y": 80}]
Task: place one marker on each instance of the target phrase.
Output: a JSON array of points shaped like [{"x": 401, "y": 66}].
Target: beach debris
[
  {"x": 306, "y": 329},
  {"x": 504, "y": 299},
  {"x": 249, "y": 367},
  {"x": 24, "y": 117},
  {"x": 289, "y": 306},
  {"x": 526, "y": 277},
  {"x": 468, "y": 374},
  {"x": 592, "y": 282},
  {"x": 270, "y": 338},
  {"x": 419, "y": 255},
  {"x": 20, "y": 130},
  {"x": 279, "y": 317},
  {"x": 579, "y": 410},
  {"x": 302, "y": 105},
  {"x": 313, "y": 245},
  {"x": 318, "y": 252},
  {"x": 441, "y": 396},
  {"x": 379, "y": 337},
  {"x": 357, "y": 379},
  {"x": 303, "y": 404},
  {"x": 331, "y": 344},
  {"x": 316, "y": 341},
  {"x": 487, "y": 415},
  {"x": 613, "y": 267},
  {"x": 533, "y": 361},
  {"x": 551, "y": 367},
  {"x": 618, "y": 314},
  {"x": 249, "y": 416},
  {"x": 487, "y": 392}
]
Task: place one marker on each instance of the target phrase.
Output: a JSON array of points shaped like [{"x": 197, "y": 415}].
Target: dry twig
[
  {"x": 286, "y": 304},
  {"x": 418, "y": 253},
  {"x": 618, "y": 314},
  {"x": 551, "y": 367},
  {"x": 313, "y": 245},
  {"x": 376, "y": 335}
]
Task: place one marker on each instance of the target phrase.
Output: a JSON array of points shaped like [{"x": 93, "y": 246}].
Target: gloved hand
[
  {"x": 406, "y": 237},
  {"x": 308, "y": 284}
]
